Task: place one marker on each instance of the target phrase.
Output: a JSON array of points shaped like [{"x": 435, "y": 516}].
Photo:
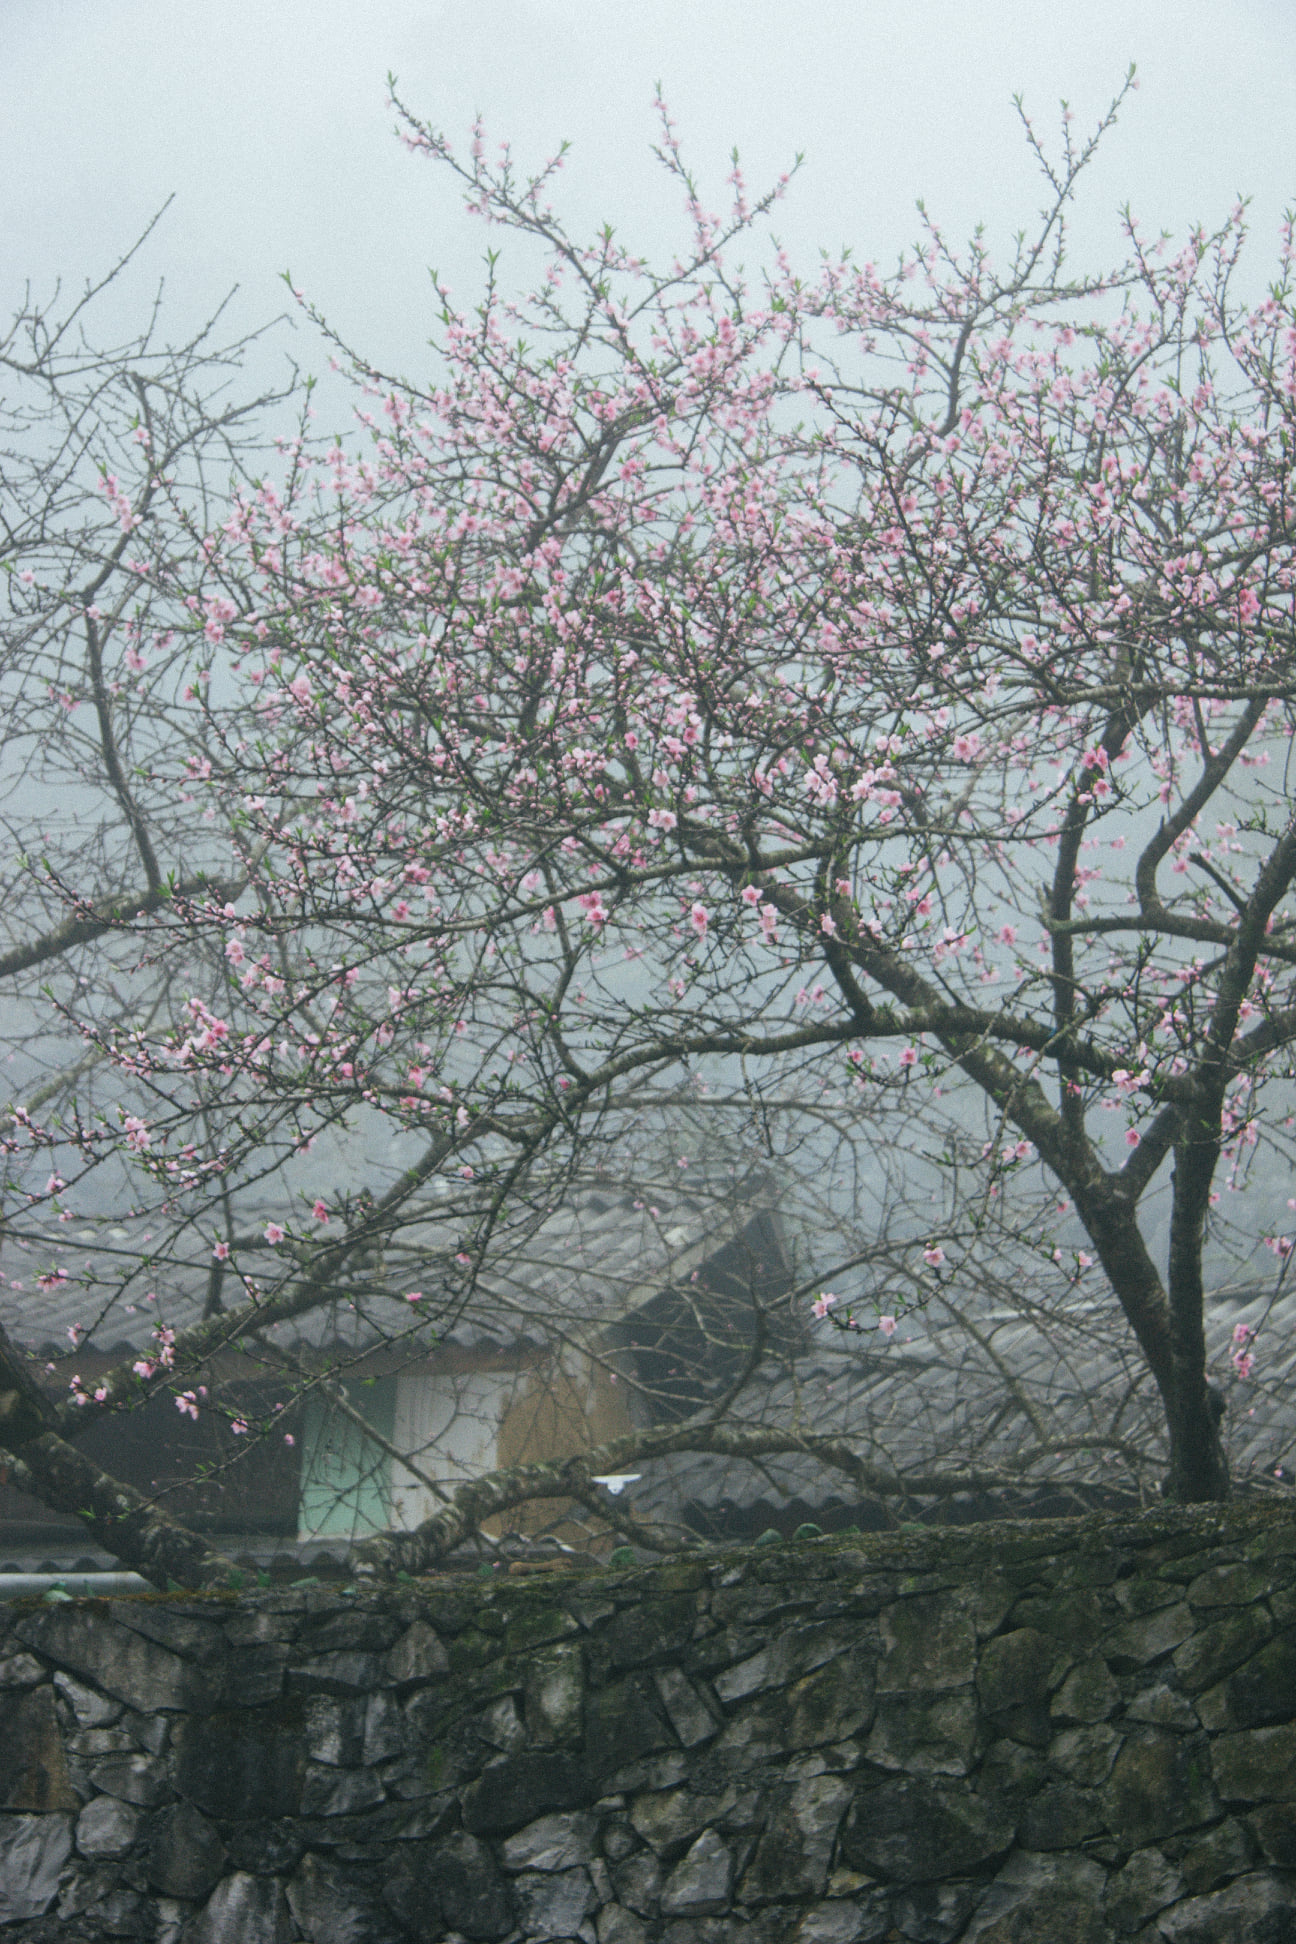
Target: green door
[{"x": 345, "y": 1477}]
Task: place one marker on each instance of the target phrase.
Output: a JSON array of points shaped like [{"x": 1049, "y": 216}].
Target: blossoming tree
[{"x": 874, "y": 682}]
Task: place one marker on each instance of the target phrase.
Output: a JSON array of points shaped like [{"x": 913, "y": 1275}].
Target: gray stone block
[
  {"x": 854, "y": 1920},
  {"x": 928, "y": 1642},
  {"x": 519, "y": 1788},
  {"x": 185, "y": 1853},
  {"x": 669, "y": 1820},
  {"x": 689, "y": 1712},
  {"x": 417, "y": 1656},
  {"x": 1162, "y": 1707},
  {"x": 701, "y": 1882},
  {"x": 554, "y": 1904},
  {"x": 332, "y": 1907},
  {"x": 925, "y": 1734},
  {"x": 558, "y": 1842},
  {"x": 934, "y": 1913},
  {"x": 795, "y": 1850},
  {"x": 33, "y": 1850},
  {"x": 1251, "y": 1910},
  {"x": 911, "y": 1830},
  {"x": 21, "y": 1671},
  {"x": 242, "y": 1909},
  {"x": 1149, "y": 1636},
  {"x": 637, "y": 1881},
  {"x": 1257, "y": 1764},
  {"x": 242, "y": 1765},
  {"x": 1042, "y": 1900},
  {"x": 454, "y": 1884},
  {"x": 1161, "y": 1783},
  {"x": 617, "y": 1925},
  {"x": 92, "y": 1709},
  {"x": 106, "y": 1828},
  {"x": 345, "y": 1672},
  {"x": 34, "y": 1773},
  {"x": 1089, "y": 1693},
  {"x": 335, "y": 1729},
  {"x": 554, "y": 1697},
  {"x": 118, "y": 1659},
  {"x": 135, "y": 1778},
  {"x": 1147, "y": 1884}
]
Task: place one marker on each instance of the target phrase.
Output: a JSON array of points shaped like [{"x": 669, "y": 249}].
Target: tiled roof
[
  {"x": 987, "y": 1389},
  {"x": 592, "y": 1259}
]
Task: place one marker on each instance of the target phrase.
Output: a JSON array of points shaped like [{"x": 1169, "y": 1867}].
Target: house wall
[
  {"x": 1065, "y": 1734},
  {"x": 449, "y": 1423},
  {"x": 454, "y": 1425}
]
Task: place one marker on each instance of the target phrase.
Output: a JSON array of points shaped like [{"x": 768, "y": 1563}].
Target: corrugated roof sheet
[
  {"x": 1005, "y": 1392},
  {"x": 593, "y": 1258}
]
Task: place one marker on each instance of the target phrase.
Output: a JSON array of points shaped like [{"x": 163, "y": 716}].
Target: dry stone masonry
[{"x": 1073, "y": 1733}]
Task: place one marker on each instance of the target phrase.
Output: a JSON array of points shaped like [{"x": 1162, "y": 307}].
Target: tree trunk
[
  {"x": 63, "y": 1478},
  {"x": 123, "y": 1522},
  {"x": 1171, "y": 1337},
  {"x": 1198, "y": 1470},
  {"x": 1198, "y": 1467}
]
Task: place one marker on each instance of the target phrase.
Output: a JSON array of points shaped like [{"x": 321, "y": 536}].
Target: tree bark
[
  {"x": 1173, "y": 1342},
  {"x": 120, "y": 1518},
  {"x": 63, "y": 1478}
]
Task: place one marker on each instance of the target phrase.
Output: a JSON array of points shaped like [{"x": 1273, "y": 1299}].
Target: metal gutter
[{"x": 76, "y": 1586}]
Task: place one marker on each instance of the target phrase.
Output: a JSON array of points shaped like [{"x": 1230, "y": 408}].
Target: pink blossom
[
  {"x": 699, "y": 918},
  {"x": 221, "y": 1251},
  {"x": 822, "y": 1304},
  {"x": 274, "y": 1234},
  {"x": 1132, "y": 1137},
  {"x": 909, "y": 1056},
  {"x": 750, "y": 894},
  {"x": 933, "y": 1255},
  {"x": 887, "y": 1325},
  {"x": 320, "y": 1212},
  {"x": 414, "y": 1296}
]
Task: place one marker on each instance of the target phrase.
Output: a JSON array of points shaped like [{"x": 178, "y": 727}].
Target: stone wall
[{"x": 1066, "y": 1733}]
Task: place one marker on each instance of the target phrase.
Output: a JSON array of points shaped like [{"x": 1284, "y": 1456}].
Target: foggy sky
[{"x": 267, "y": 120}]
